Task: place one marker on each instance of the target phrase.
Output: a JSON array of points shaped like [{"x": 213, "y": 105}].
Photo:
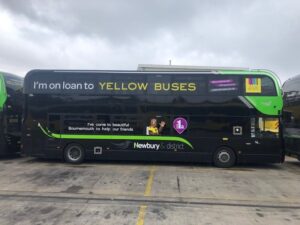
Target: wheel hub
[
  {"x": 224, "y": 157},
  {"x": 74, "y": 153}
]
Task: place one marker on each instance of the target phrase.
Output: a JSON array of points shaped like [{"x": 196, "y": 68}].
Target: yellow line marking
[
  {"x": 147, "y": 192},
  {"x": 141, "y": 217}
]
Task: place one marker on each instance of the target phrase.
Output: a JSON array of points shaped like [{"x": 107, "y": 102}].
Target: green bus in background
[{"x": 11, "y": 105}]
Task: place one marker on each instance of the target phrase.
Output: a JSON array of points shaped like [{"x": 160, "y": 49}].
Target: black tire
[
  {"x": 224, "y": 157},
  {"x": 74, "y": 153}
]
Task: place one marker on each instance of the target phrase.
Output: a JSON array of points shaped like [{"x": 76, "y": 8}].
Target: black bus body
[{"x": 154, "y": 116}]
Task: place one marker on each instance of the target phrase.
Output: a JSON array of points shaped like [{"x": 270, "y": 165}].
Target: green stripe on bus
[
  {"x": 116, "y": 137},
  {"x": 268, "y": 105},
  {"x": 44, "y": 131},
  {"x": 255, "y": 72}
]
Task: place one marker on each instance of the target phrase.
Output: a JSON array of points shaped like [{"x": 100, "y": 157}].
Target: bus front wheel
[
  {"x": 74, "y": 153},
  {"x": 224, "y": 157}
]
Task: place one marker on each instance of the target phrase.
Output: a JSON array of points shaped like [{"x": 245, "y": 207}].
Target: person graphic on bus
[{"x": 153, "y": 129}]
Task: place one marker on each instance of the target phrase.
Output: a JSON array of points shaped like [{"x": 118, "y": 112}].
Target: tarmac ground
[{"x": 35, "y": 191}]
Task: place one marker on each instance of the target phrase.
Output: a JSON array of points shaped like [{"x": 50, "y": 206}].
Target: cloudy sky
[{"x": 98, "y": 34}]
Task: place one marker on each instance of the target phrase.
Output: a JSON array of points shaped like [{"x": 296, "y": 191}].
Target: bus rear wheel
[
  {"x": 74, "y": 153},
  {"x": 224, "y": 157}
]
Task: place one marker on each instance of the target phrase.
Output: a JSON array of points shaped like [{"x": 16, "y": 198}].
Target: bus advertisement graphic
[
  {"x": 180, "y": 124},
  {"x": 154, "y": 128},
  {"x": 253, "y": 85}
]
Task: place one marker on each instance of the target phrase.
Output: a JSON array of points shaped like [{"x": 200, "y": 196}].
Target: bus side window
[
  {"x": 267, "y": 127},
  {"x": 259, "y": 86},
  {"x": 78, "y": 123},
  {"x": 157, "y": 125},
  {"x": 268, "y": 87},
  {"x": 54, "y": 123},
  {"x": 159, "y": 84}
]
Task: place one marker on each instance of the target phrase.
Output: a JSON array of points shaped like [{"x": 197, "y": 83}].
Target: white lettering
[{"x": 146, "y": 146}]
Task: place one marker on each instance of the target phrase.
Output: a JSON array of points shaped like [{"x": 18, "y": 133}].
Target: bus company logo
[
  {"x": 253, "y": 85},
  {"x": 180, "y": 125},
  {"x": 137, "y": 145}
]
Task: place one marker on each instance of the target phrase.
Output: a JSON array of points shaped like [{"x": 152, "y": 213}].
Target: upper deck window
[
  {"x": 257, "y": 86},
  {"x": 14, "y": 83},
  {"x": 223, "y": 85}
]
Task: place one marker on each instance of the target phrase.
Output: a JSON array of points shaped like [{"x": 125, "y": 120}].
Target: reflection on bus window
[{"x": 268, "y": 127}]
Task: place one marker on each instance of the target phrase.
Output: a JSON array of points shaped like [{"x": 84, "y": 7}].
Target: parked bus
[
  {"x": 11, "y": 102},
  {"x": 219, "y": 116},
  {"x": 291, "y": 99}
]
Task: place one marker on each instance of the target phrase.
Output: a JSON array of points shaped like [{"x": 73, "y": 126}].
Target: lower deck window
[{"x": 267, "y": 127}]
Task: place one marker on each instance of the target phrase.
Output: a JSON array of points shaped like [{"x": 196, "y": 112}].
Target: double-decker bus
[
  {"x": 220, "y": 116},
  {"x": 291, "y": 118},
  {"x": 11, "y": 103}
]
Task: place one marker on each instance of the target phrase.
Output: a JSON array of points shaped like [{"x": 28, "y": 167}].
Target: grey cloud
[
  {"x": 259, "y": 34},
  {"x": 116, "y": 20}
]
